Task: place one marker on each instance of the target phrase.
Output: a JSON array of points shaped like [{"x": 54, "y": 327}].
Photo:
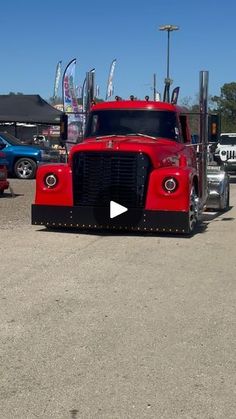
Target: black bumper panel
[{"x": 98, "y": 218}]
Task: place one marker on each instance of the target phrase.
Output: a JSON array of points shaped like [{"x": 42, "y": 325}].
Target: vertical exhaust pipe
[
  {"x": 89, "y": 89},
  {"x": 203, "y": 134}
]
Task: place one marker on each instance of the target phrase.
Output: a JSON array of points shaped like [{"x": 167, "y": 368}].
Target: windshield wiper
[
  {"x": 140, "y": 134},
  {"x": 108, "y": 136}
]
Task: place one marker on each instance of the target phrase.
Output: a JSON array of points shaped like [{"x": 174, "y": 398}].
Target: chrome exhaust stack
[
  {"x": 203, "y": 134},
  {"x": 214, "y": 185}
]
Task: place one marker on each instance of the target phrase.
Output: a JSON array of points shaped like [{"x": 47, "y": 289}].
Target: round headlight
[
  {"x": 50, "y": 180},
  {"x": 170, "y": 184},
  {"x": 223, "y": 153}
]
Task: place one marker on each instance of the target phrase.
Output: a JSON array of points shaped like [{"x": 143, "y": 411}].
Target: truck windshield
[
  {"x": 228, "y": 139},
  {"x": 127, "y": 122}
]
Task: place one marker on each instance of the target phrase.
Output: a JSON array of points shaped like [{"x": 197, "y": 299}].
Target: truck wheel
[
  {"x": 224, "y": 202},
  {"x": 25, "y": 168},
  {"x": 193, "y": 213}
]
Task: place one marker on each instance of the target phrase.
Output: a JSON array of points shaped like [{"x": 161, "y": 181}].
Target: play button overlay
[{"x": 116, "y": 209}]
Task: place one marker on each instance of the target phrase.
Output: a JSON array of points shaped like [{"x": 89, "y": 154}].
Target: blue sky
[{"x": 36, "y": 35}]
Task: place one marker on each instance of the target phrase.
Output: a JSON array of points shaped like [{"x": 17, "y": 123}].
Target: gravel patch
[{"x": 15, "y": 204}]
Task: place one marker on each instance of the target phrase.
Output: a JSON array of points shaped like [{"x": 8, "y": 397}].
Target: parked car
[
  {"x": 23, "y": 159},
  {"x": 37, "y": 140},
  {"x": 225, "y": 153},
  {"x": 4, "y": 184},
  {"x": 41, "y": 140}
]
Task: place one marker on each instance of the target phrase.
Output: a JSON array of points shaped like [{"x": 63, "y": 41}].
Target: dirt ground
[{"x": 116, "y": 326}]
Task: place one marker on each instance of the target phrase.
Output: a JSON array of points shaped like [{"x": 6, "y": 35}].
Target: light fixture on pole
[{"x": 168, "y": 81}]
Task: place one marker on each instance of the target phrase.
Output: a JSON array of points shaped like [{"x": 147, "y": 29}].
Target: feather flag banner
[
  {"x": 110, "y": 87},
  {"x": 70, "y": 105},
  {"x": 68, "y": 88},
  {"x": 57, "y": 80}
]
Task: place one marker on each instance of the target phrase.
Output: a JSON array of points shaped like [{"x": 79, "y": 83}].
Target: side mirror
[{"x": 214, "y": 127}]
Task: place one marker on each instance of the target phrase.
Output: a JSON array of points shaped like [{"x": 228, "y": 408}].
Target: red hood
[{"x": 160, "y": 150}]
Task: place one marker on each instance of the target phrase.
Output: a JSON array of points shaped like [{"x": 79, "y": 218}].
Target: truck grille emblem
[{"x": 110, "y": 144}]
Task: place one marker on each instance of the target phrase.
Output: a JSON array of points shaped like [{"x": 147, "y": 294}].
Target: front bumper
[
  {"x": 227, "y": 165},
  {"x": 97, "y": 218},
  {"x": 230, "y": 166}
]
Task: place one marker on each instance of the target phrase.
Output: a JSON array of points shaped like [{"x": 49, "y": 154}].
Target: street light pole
[
  {"x": 168, "y": 55},
  {"x": 154, "y": 87},
  {"x": 168, "y": 81}
]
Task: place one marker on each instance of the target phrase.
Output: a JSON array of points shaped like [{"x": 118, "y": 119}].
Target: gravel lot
[
  {"x": 116, "y": 326},
  {"x": 15, "y": 205}
]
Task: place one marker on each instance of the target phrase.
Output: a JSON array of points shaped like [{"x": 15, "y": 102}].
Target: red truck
[{"x": 135, "y": 170}]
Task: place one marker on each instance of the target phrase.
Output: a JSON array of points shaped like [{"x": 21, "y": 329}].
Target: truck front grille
[
  {"x": 231, "y": 154},
  {"x": 101, "y": 177}
]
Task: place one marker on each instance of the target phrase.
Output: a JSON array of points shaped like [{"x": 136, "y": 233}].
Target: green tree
[
  {"x": 13, "y": 93},
  {"x": 192, "y": 108},
  {"x": 55, "y": 101},
  {"x": 226, "y": 106}
]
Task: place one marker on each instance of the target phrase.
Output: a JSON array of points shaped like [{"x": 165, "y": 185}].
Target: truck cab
[{"x": 138, "y": 118}]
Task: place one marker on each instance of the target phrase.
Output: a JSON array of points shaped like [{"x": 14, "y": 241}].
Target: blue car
[{"x": 23, "y": 159}]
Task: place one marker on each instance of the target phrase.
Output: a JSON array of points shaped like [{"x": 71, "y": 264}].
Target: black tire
[
  {"x": 228, "y": 199},
  {"x": 193, "y": 213},
  {"x": 25, "y": 168},
  {"x": 224, "y": 204}
]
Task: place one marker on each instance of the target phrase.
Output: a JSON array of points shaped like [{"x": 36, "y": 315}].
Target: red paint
[
  {"x": 169, "y": 159},
  {"x": 61, "y": 194},
  {"x": 4, "y": 184}
]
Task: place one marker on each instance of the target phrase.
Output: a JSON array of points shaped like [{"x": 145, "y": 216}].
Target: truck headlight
[
  {"x": 223, "y": 153},
  {"x": 170, "y": 184},
  {"x": 51, "y": 180}
]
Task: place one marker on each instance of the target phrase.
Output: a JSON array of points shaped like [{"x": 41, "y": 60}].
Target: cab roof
[{"x": 136, "y": 104}]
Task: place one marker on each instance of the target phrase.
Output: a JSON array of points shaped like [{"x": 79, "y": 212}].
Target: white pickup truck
[{"x": 225, "y": 153}]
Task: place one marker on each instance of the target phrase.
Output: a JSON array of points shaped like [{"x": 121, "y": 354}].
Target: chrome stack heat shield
[
  {"x": 218, "y": 188},
  {"x": 203, "y": 134}
]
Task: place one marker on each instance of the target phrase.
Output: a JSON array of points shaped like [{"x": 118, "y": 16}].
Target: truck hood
[
  {"x": 161, "y": 151},
  {"x": 226, "y": 146}
]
